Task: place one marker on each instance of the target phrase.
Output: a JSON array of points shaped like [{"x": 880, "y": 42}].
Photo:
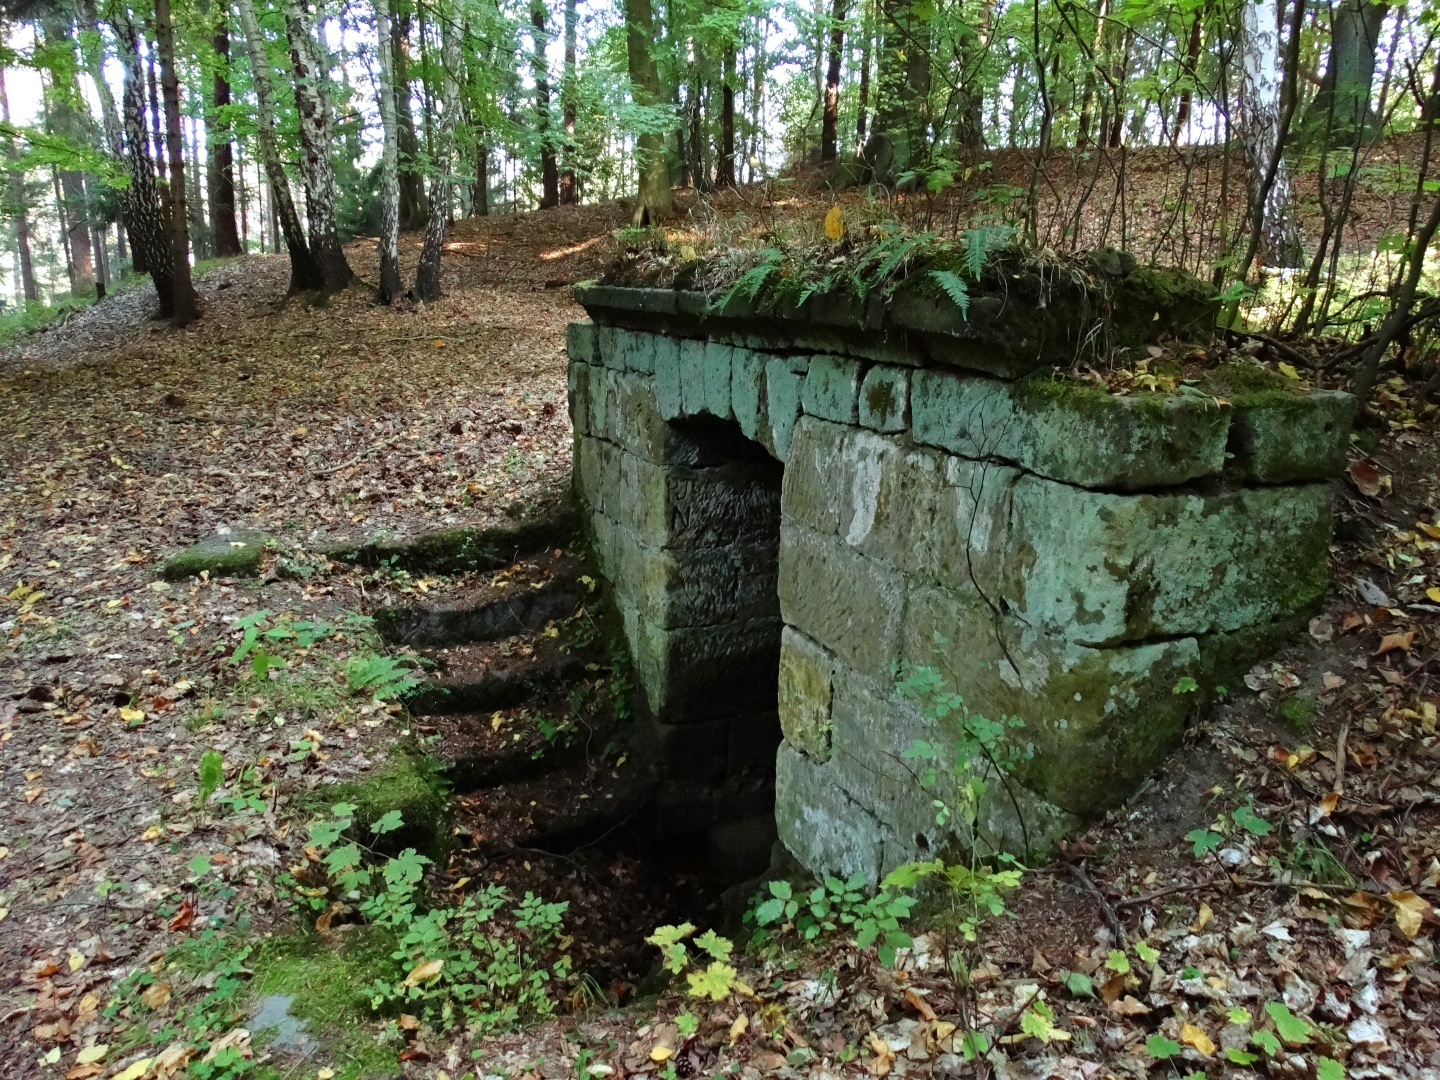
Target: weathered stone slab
[
  {"x": 626, "y": 350},
  {"x": 784, "y": 384},
  {"x": 582, "y": 342},
  {"x": 829, "y": 832},
  {"x": 703, "y": 672},
  {"x": 885, "y": 399},
  {"x": 832, "y": 389},
  {"x": 692, "y": 377},
  {"x": 718, "y": 360},
  {"x": 1071, "y": 432},
  {"x": 1278, "y": 438},
  {"x": 684, "y": 587},
  {"x": 748, "y": 403},
  {"x": 807, "y": 674},
  {"x": 669, "y": 399},
  {"x": 848, "y": 603}
]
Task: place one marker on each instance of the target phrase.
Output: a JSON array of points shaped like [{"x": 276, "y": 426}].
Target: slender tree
[
  {"x": 725, "y": 165},
  {"x": 67, "y": 116},
  {"x": 149, "y": 222},
  {"x": 305, "y": 272},
  {"x": 16, "y": 193},
  {"x": 390, "y": 286},
  {"x": 221, "y": 174},
  {"x": 830, "y": 112},
  {"x": 187, "y": 304},
  {"x": 413, "y": 210},
  {"x": 1259, "y": 129},
  {"x": 569, "y": 89},
  {"x": 900, "y": 141},
  {"x": 1341, "y": 106},
  {"x": 312, "y": 103},
  {"x": 654, "y": 199},
  {"x": 544, "y": 123},
  {"x": 427, "y": 274}
]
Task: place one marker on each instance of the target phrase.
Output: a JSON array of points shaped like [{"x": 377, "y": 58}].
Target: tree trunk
[
  {"x": 67, "y": 118},
  {"x": 1192, "y": 60},
  {"x": 222, "y": 158},
  {"x": 862, "y": 94},
  {"x": 830, "y": 117},
  {"x": 157, "y": 131},
  {"x": 569, "y": 87},
  {"x": 305, "y": 271},
  {"x": 16, "y": 180},
  {"x": 149, "y": 222},
  {"x": 480, "y": 200},
  {"x": 544, "y": 124},
  {"x": 412, "y": 182},
  {"x": 902, "y": 109},
  {"x": 725, "y": 166},
  {"x": 653, "y": 199},
  {"x": 427, "y": 275},
  {"x": 1259, "y": 131},
  {"x": 97, "y": 237},
  {"x": 1097, "y": 58},
  {"x": 312, "y": 104},
  {"x": 194, "y": 201},
  {"x": 693, "y": 149},
  {"x": 390, "y": 285},
  {"x": 187, "y": 304},
  {"x": 1342, "y": 104}
]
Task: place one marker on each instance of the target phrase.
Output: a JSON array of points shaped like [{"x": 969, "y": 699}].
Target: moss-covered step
[
  {"x": 464, "y": 548},
  {"x": 229, "y": 553},
  {"x": 1019, "y": 319},
  {"x": 408, "y": 783}
]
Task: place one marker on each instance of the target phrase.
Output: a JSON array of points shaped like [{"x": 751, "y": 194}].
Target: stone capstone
[{"x": 228, "y": 553}]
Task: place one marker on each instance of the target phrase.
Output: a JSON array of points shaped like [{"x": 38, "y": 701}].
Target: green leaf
[
  {"x": 687, "y": 1023},
  {"x": 715, "y": 982},
  {"x": 1160, "y": 1048},
  {"x": 1241, "y": 1057},
  {"x": 1078, "y": 983},
  {"x": 1251, "y": 822},
  {"x": 1266, "y": 1041},
  {"x": 974, "y": 1044},
  {"x": 675, "y": 957},
  {"x": 1295, "y": 1030},
  {"x": 1118, "y": 962},
  {"x": 955, "y": 288},
  {"x": 212, "y": 775},
  {"x": 199, "y": 865},
  {"x": 718, "y": 947},
  {"x": 1185, "y": 685},
  {"x": 780, "y": 890},
  {"x": 1036, "y": 1023},
  {"x": 388, "y": 823},
  {"x": 770, "y": 911},
  {"x": 1239, "y": 1016},
  {"x": 1204, "y": 840},
  {"x": 1329, "y": 1069},
  {"x": 1147, "y": 952}
]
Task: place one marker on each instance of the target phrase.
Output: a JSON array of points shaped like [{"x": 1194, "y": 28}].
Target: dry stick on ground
[
  {"x": 1339, "y": 786},
  {"x": 1112, "y": 920}
]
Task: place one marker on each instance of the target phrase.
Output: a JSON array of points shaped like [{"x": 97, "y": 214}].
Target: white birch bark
[
  {"x": 1259, "y": 129},
  {"x": 389, "y": 161}
]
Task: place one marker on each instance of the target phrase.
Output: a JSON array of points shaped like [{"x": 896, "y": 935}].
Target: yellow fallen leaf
[
  {"x": 438, "y": 343},
  {"x": 430, "y": 969},
  {"x": 738, "y": 1028},
  {"x": 1409, "y": 911},
  {"x": 135, "y": 1070},
  {"x": 1288, "y": 370},
  {"x": 1433, "y": 593},
  {"x": 172, "y": 1059},
  {"x": 835, "y": 224},
  {"x": 1326, "y": 807},
  {"x": 1191, "y": 1035},
  {"x": 156, "y": 996},
  {"x": 1391, "y": 642},
  {"x": 76, "y": 959},
  {"x": 1432, "y": 531},
  {"x": 33, "y": 794},
  {"x": 154, "y": 832},
  {"x": 326, "y": 1073},
  {"x": 92, "y": 1054},
  {"x": 132, "y": 716},
  {"x": 1202, "y": 918},
  {"x": 661, "y": 1053}
]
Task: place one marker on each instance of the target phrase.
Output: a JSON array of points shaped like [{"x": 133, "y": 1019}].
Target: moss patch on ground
[
  {"x": 408, "y": 782},
  {"x": 464, "y": 548},
  {"x": 1297, "y": 713}
]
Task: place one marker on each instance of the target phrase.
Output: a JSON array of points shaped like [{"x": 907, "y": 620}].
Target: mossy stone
[
  {"x": 1297, "y": 712},
  {"x": 466, "y": 547},
  {"x": 409, "y": 783},
  {"x": 229, "y": 553}
]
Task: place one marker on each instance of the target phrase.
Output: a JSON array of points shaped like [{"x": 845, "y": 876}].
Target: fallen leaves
[{"x": 1367, "y": 478}]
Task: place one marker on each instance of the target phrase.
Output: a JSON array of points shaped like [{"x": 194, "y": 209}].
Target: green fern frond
[{"x": 955, "y": 289}]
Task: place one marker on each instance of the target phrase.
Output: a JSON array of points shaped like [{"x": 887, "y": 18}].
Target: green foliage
[
  {"x": 212, "y": 775},
  {"x": 712, "y": 979},
  {"x": 837, "y": 907},
  {"x": 1161, "y": 1048},
  {"x": 20, "y": 322},
  {"x": 1242, "y": 819},
  {"x": 382, "y": 677}
]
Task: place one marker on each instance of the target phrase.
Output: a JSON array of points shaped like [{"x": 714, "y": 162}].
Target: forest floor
[{"x": 1303, "y": 934}]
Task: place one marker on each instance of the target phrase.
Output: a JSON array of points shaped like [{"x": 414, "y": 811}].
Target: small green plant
[
  {"x": 212, "y": 775},
  {"x": 382, "y": 677},
  {"x": 1241, "y": 819},
  {"x": 717, "y": 979},
  {"x": 836, "y": 906},
  {"x": 1297, "y": 712}
]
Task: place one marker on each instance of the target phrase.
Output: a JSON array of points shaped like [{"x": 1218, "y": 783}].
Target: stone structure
[{"x": 792, "y": 514}]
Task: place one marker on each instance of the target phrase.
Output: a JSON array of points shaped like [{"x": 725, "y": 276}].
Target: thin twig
[
  {"x": 1112, "y": 920},
  {"x": 1339, "y": 786}
]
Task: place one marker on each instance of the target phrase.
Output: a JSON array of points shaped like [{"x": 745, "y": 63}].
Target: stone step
[
  {"x": 485, "y": 676},
  {"x": 522, "y": 600},
  {"x": 559, "y": 811}
]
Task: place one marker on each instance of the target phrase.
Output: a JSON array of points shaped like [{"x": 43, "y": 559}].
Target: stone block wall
[{"x": 787, "y": 534}]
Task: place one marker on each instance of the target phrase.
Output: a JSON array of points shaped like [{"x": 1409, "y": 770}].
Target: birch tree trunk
[
  {"x": 67, "y": 118},
  {"x": 187, "y": 304},
  {"x": 427, "y": 275},
  {"x": 149, "y": 222},
  {"x": 304, "y": 270},
  {"x": 389, "y": 162},
  {"x": 1259, "y": 131},
  {"x": 312, "y": 104}
]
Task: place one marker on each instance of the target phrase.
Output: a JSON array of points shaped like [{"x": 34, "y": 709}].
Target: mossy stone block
[
  {"x": 822, "y": 826},
  {"x": 784, "y": 384},
  {"x": 408, "y": 783},
  {"x": 832, "y": 389},
  {"x": 669, "y": 399},
  {"x": 1279, "y": 438},
  {"x": 582, "y": 343},
  {"x": 747, "y": 393},
  {"x": 885, "y": 399},
  {"x": 229, "y": 553},
  {"x": 807, "y": 674},
  {"x": 692, "y": 377},
  {"x": 717, "y": 377}
]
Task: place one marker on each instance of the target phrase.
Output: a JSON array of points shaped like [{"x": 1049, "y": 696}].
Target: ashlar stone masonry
[{"x": 787, "y": 533}]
